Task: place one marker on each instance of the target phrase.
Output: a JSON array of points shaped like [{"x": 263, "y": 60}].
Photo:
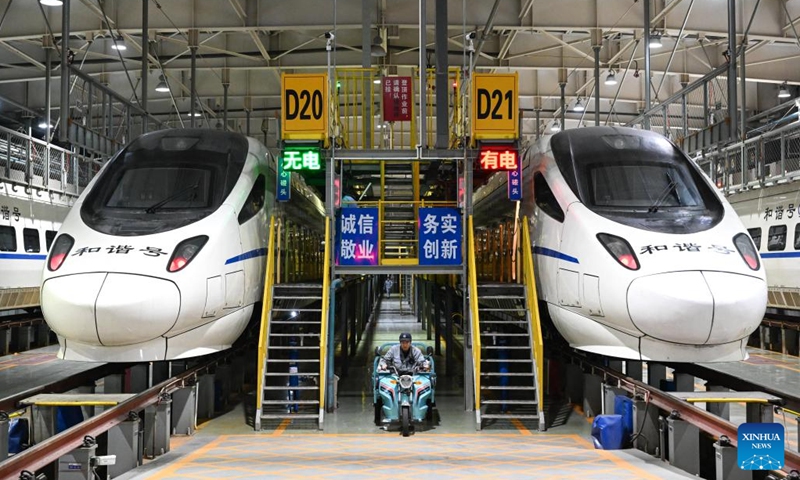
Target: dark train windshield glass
[
  {"x": 165, "y": 180},
  {"x": 637, "y": 178}
]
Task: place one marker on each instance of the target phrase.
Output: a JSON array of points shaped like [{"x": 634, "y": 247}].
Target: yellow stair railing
[
  {"x": 266, "y": 312},
  {"x": 323, "y": 337},
  {"x": 474, "y": 320},
  {"x": 533, "y": 308}
]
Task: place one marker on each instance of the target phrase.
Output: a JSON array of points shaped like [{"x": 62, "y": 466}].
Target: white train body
[
  {"x": 29, "y": 220},
  {"x": 192, "y": 201},
  {"x": 601, "y": 198},
  {"x": 772, "y": 217}
]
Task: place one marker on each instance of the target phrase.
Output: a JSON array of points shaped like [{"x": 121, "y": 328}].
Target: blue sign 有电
[
  {"x": 357, "y": 236},
  {"x": 439, "y": 236},
  {"x": 760, "y": 446}
]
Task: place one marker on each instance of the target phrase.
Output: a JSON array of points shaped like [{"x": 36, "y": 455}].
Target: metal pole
[
  {"x": 743, "y": 132},
  {"x": 596, "y": 49},
  {"x": 732, "y": 107},
  {"x": 423, "y": 71},
  {"x": 48, "y": 54},
  {"x": 537, "y": 123},
  {"x": 646, "y": 63},
  {"x": 225, "y": 106},
  {"x": 193, "y": 91},
  {"x": 248, "y": 121},
  {"x": 442, "y": 87},
  {"x": 563, "y": 85},
  {"x": 145, "y": 65},
  {"x": 64, "y": 100}
]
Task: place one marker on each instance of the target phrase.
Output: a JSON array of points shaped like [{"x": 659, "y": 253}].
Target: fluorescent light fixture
[
  {"x": 51, "y": 3},
  {"x": 162, "y": 85},
  {"x": 611, "y": 79},
  {"x": 578, "y": 106},
  {"x": 655, "y": 40},
  {"x": 377, "y": 50},
  {"x": 196, "y": 114},
  {"x": 556, "y": 127},
  {"x": 119, "y": 44},
  {"x": 43, "y": 125},
  {"x": 377, "y": 81}
]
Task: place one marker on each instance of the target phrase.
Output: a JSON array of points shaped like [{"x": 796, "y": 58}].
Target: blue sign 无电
[
  {"x": 760, "y": 446},
  {"x": 357, "y": 236},
  {"x": 439, "y": 236}
]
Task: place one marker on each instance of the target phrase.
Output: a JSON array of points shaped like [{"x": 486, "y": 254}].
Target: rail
[
  {"x": 323, "y": 336},
  {"x": 533, "y": 311},
  {"x": 266, "y": 311},
  {"x": 474, "y": 316},
  {"x": 51, "y": 449}
]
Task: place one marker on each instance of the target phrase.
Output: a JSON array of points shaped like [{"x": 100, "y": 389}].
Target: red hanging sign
[
  {"x": 495, "y": 157},
  {"x": 396, "y": 98}
]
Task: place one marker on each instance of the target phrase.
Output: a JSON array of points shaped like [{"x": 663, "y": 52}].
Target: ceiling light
[
  {"x": 118, "y": 44},
  {"x": 783, "y": 92},
  {"x": 611, "y": 79},
  {"x": 377, "y": 81},
  {"x": 655, "y": 40},
  {"x": 196, "y": 114},
  {"x": 578, "y": 106},
  {"x": 43, "y": 124},
  {"x": 377, "y": 49},
  {"x": 556, "y": 127},
  {"x": 162, "y": 84},
  {"x": 51, "y": 3}
]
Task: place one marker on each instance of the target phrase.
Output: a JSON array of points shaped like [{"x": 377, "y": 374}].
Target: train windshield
[
  {"x": 637, "y": 178},
  {"x": 164, "y": 181}
]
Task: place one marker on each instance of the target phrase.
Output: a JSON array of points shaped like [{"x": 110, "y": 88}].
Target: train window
[
  {"x": 49, "y": 236},
  {"x": 777, "y": 238},
  {"x": 797, "y": 237},
  {"x": 30, "y": 237},
  {"x": 8, "y": 239},
  {"x": 755, "y": 234},
  {"x": 255, "y": 200},
  {"x": 545, "y": 199}
]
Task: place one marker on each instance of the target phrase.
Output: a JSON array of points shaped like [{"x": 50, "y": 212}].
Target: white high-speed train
[
  {"x": 772, "y": 217},
  {"x": 637, "y": 254},
  {"x": 29, "y": 221},
  {"x": 162, "y": 257}
]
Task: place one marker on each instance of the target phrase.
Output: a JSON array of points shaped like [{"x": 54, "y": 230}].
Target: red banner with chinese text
[{"x": 396, "y": 99}]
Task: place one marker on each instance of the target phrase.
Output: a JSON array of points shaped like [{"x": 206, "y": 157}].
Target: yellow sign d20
[{"x": 304, "y": 106}]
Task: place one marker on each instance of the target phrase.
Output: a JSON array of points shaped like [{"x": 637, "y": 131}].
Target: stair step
[
  {"x": 282, "y": 347},
  {"x": 504, "y": 322},
  {"x": 506, "y": 348},
  {"x": 508, "y": 416},
  {"x": 499, "y": 297},
  {"x": 296, "y": 298},
  {"x": 292, "y": 402},
  {"x": 294, "y": 334},
  {"x": 299, "y": 360},
  {"x": 498, "y": 387},
  {"x": 484, "y": 309},
  {"x": 509, "y": 374},
  {"x": 297, "y": 322},
  {"x": 290, "y": 415},
  {"x": 305, "y": 387},
  {"x": 278, "y": 374},
  {"x": 296, "y": 309},
  {"x": 485, "y": 402},
  {"x": 501, "y": 334},
  {"x": 510, "y": 360}
]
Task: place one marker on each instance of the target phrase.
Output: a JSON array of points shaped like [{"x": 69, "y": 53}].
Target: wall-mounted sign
[
  {"x": 495, "y": 106},
  {"x": 397, "y": 95},
  {"x": 294, "y": 159},
  {"x": 439, "y": 236},
  {"x": 515, "y": 183},
  {"x": 498, "y": 157},
  {"x": 304, "y": 106},
  {"x": 283, "y": 192},
  {"x": 357, "y": 236}
]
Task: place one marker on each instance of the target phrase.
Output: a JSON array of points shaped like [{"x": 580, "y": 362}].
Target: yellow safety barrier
[
  {"x": 533, "y": 308},
  {"x": 475, "y": 321},
  {"x": 323, "y": 337},
  {"x": 266, "y": 310}
]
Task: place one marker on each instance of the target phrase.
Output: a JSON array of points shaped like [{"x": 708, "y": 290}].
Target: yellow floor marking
[
  {"x": 173, "y": 467},
  {"x": 618, "y": 461},
  {"x": 279, "y": 431},
  {"x": 522, "y": 430}
]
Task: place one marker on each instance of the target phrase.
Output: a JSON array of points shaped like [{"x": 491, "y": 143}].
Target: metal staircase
[
  {"x": 291, "y": 364},
  {"x": 399, "y": 210},
  {"x": 508, "y": 369}
]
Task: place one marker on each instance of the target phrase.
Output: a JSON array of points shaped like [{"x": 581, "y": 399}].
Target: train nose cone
[
  {"x": 134, "y": 308},
  {"x": 110, "y": 309},
  {"x": 697, "y": 307}
]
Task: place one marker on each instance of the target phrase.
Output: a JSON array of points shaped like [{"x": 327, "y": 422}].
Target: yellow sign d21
[
  {"x": 495, "y": 106},
  {"x": 304, "y": 106}
]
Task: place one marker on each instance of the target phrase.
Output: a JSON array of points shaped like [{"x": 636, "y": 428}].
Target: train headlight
[
  {"x": 620, "y": 249},
  {"x": 747, "y": 250},
  {"x": 185, "y": 252},
  {"x": 59, "y": 252}
]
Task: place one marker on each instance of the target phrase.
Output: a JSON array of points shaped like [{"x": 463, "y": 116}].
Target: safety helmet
[{"x": 405, "y": 336}]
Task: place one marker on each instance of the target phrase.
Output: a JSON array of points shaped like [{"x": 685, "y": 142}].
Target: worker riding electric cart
[{"x": 404, "y": 381}]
